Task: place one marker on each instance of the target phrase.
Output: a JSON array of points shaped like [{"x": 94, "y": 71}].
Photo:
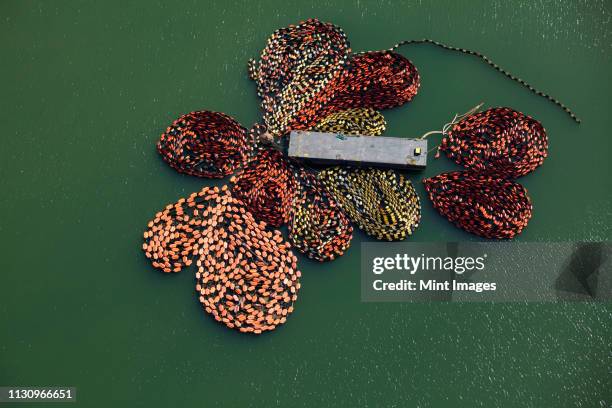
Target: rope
[
  {"x": 296, "y": 66},
  {"x": 357, "y": 121},
  {"x": 377, "y": 80},
  {"x": 267, "y": 186},
  {"x": 454, "y": 121},
  {"x": 498, "y": 141},
  {"x": 247, "y": 276},
  {"x": 377, "y": 223},
  {"x": 307, "y": 72},
  {"x": 381, "y": 202},
  {"x": 484, "y": 205},
  {"x": 488, "y": 61},
  {"x": 205, "y": 144},
  {"x": 317, "y": 226},
  {"x": 277, "y": 191}
]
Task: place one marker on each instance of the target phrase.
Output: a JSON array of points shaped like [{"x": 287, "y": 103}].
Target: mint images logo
[
  {"x": 414, "y": 264},
  {"x": 486, "y": 271},
  {"x": 440, "y": 270}
]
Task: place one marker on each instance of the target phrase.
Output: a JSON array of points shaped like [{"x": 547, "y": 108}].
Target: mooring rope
[
  {"x": 482, "y": 204},
  {"x": 247, "y": 276},
  {"x": 307, "y": 71},
  {"x": 355, "y": 121},
  {"x": 498, "y": 141},
  {"x": 492, "y": 64},
  {"x": 381, "y": 202},
  {"x": 205, "y": 144}
]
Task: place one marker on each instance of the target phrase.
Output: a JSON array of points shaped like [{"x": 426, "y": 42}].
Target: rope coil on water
[
  {"x": 356, "y": 121},
  {"x": 296, "y": 66},
  {"x": 247, "y": 276},
  {"x": 495, "y": 144},
  {"x": 318, "y": 227},
  {"x": 377, "y": 80},
  {"x": 497, "y": 141},
  {"x": 268, "y": 182},
  {"x": 307, "y": 72},
  {"x": 205, "y": 144},
  {"x": 381, "y": 202},
  {"x": 482, "y": 204},
  {"x": 278, "y": 191},
  {"x": 267, "y": 186}
]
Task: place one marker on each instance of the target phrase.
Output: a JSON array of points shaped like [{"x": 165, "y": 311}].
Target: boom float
[{"x": 309, "y": 80}]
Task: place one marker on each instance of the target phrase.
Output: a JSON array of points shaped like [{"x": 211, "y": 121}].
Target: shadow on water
[{"x": 587, "y": 274}]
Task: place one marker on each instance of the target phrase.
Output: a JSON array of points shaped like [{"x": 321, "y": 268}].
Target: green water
[{"x": 86, "y": 89}]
